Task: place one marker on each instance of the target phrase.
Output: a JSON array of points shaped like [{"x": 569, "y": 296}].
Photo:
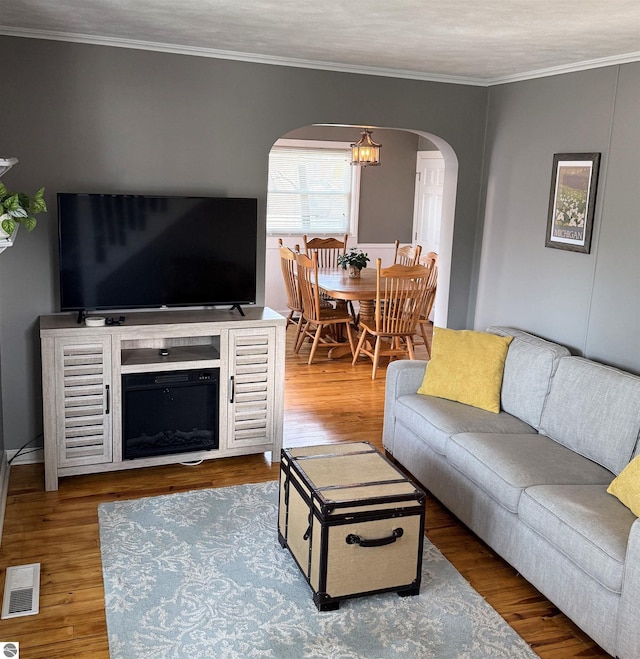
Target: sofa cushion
[
  {"x": 594, "y": 410},
  {"x": 528, "y": 370},
  {"x": 466, "y": 366},
  {"x": 626, "y": 486},
  {"x": 587, "y": 525},
  {"x": 505, "y": 465},
  {"x": 436, "y": 419}
]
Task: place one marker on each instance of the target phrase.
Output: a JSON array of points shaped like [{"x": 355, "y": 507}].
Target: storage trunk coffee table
[{"x": 353, "y": 522}]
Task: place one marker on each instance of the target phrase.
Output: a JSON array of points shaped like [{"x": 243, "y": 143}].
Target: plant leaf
[
  {"x": 18, "y": 212},
  {"x": 38, "y": 205},
  {"x": 12, "y": 202},
  {"x": 8, "y": 226},
  {"x": 30, "y": 223},
  {"x": 3, "y": 190}
]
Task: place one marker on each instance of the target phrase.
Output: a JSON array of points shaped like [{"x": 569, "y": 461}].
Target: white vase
[
  {"x": 354, "y": 272},
  {"x": 7, "y": 240}
]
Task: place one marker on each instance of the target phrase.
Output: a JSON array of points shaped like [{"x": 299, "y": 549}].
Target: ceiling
[{"x": 467, "y": 41}]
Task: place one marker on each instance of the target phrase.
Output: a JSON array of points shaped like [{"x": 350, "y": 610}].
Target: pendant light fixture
[{"x": 365, "y": 151}]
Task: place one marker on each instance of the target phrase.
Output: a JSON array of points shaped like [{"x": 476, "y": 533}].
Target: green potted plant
[
  {"x": 354, "y": 260},
  {"x": 18, "y": 208}
]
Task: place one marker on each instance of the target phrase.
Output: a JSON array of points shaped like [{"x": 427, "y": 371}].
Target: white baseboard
[
  {"x": 4, "y": 486},
  {"x": 29, "y": 457},
  {"x": 35, "y": 456}
]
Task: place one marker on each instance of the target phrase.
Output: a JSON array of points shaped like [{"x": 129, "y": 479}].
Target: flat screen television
[{"x": 136, "y": 251}]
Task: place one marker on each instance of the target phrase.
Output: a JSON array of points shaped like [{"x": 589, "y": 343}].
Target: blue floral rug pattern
[{"x": 201, "y": 575}]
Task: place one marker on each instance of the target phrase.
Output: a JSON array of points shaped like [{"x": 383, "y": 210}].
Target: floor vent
[{"x": 21, "y": 591}]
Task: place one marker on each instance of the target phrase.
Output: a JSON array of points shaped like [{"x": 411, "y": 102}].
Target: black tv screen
[{"x": 125, "y": 251}]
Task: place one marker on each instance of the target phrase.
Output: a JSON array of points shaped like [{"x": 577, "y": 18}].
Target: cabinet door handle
[
  {"x": 108, "y": 397},
  {"x": 232, "y": 384}
]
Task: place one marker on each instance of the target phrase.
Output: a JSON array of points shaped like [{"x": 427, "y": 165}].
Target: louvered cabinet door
[
  {"x": 251, "y": 387},
  {"x": 83, "y": 401}
]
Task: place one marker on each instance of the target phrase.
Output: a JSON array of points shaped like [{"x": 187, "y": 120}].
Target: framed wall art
[{"x": 574, "y": 181}]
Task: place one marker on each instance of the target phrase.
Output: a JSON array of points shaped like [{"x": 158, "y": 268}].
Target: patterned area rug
[{"x": 201, "y": 575}]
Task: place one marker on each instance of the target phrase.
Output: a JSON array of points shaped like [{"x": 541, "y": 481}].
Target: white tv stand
[{"x": 81, "y": 377}]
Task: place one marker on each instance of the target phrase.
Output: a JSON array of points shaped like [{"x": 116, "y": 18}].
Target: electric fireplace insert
[{"x": 169, "y": 412}]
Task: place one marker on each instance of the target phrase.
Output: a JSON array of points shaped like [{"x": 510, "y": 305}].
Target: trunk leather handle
[{"x": 353, "y": 539}]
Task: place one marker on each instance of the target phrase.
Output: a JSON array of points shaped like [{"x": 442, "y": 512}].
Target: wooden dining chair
[
  {"x": 318, "y": 320},
  {"x": 327, "y": 249},
  {"x": 400, "y": 298},
  {"x": 407, "y": 254},
  {"x": 294, "y": 298},
  {"x": 430, "y": 261}
]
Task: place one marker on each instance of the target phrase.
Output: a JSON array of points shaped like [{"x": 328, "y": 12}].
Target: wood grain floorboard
[{"x": 328, "y": 401}]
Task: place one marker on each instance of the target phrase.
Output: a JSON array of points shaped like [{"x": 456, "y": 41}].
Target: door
[
  {"x": 428, "y": 200},
  {"x": 83, "y": 400},
  {"x": 252, "y": 360}
]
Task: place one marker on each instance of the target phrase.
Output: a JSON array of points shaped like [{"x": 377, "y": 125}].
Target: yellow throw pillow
[
  {"x": 467, "y": 367},
  {"x": 626, "y": 486}
]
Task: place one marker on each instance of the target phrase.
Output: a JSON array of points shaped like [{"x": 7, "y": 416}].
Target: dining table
[{"x": 338, "y": 284}]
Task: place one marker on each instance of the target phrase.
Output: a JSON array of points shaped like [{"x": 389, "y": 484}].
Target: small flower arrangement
[
  {"x": 354, "y": 258},
  {"x": 19, "y": 208}
]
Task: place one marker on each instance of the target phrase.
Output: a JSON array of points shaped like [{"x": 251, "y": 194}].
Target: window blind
[{"x": 310, "y": 190}]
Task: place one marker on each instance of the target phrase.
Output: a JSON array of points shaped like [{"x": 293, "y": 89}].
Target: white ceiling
[{"x": 471, "y": 41}]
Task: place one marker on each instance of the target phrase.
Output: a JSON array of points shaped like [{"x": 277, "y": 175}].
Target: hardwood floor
[{"x": 329, "y": 401}]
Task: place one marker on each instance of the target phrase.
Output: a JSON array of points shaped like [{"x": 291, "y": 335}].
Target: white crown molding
[
  {"x": 313, "y": 64},
  {"x": 237, "y": 56},
  {"x": 567, "y": 68}
]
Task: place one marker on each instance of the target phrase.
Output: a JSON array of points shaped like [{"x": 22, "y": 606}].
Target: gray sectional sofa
[{"x": 531, "y": 481}]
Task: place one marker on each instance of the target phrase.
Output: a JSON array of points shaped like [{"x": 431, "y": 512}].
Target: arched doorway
[{"x": 274, "y": 294}]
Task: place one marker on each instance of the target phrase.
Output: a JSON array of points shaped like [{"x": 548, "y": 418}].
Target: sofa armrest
[
  {"x": 403, "y": 377},
  {"x": 628, "y": 644}
]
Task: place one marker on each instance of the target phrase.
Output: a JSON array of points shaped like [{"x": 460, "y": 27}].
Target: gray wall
[
  {"x": 590, "y": 302},
  {"x": 98, "y": 119},
  {"x": 386, "y": 192}
]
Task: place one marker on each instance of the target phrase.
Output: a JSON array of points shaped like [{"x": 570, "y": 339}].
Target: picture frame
[{"x": 572, "y": 200}]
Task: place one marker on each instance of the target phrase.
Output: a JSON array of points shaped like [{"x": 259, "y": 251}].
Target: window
[{"x": 313, "y": 189}]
